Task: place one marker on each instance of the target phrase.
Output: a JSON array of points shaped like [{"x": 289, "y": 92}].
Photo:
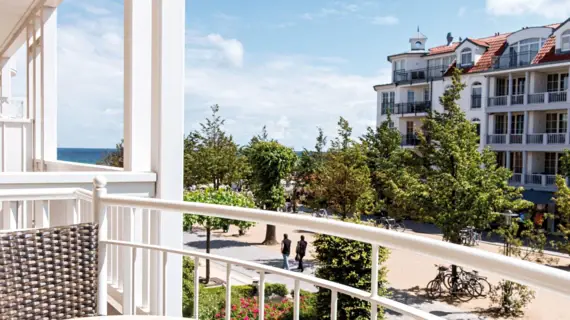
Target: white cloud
[
  {"x": 461, "y": 12},
  {"x": 552, "y": 9},
  {"x": 385, "y": 20},
  {"x": 291, "y": 94}
]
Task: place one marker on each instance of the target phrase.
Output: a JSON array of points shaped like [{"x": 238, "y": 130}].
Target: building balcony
[
  {"x": 419, "y": 75},
  {"x": 532, "y": 99},
  {"x": 534, "y": 139},
  {"x": 497, "y": 101},
  {"x": 406, "y": 108},
  {"x": 130, "y": 271},
  {"x": 410, "y": 140},
  {"x": 514, "y": 60}
]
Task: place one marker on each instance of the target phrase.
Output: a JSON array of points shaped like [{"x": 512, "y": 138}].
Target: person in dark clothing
[
  {"x": 286, "y": 250},
  {"x": 300, "y": 251}
]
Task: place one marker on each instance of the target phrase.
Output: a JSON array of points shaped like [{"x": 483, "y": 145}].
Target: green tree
[
  {"x": 307, "y": 169},
  {"x": 211, "y": 156},
  {"x": 270, "y": 163},
  {"x": 344, "y": 181},
  {"x": 387, "y": 162},
  {"x": 562, "y": 200},
  {"x": 114, "y": 158},
  {"x": 220, "y": 196},
  {"x": 347, "y": 262},
  {"x": 457, "y": 185}
]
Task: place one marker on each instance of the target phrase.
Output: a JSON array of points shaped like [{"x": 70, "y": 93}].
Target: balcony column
[
  {"x": 43, "y": 84},
  {"x": 485, "y": 129},
  {"x": 508, "y": 162},
  {"x": 525, "y": 126},
  {"x": 509, "y": 120},
  {"x": 137, "y": 126},
  {"x": 167, "y": 149},
  {"x": 526, "y": 87},
  {"x": 524, "y": 165},
  {"x": 510, "y": 89},
  {"x": 486, "y": 92},
  {"x": 568, "y": 90}
]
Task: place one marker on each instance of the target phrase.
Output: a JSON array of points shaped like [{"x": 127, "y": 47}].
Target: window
[
  {"x": 426, "y": 94},
  {"x": 550, "y": 164},
  {"x": 501, "y": 87},
  {"x": 391, "y": 124},
  {"x": 516, "y": 162},
  {"x": 556, "y": 122},
  {"x": 399, "y": 65},
  {"x": 552, "y": 83},
  {"x": 565, "y": 41},
  {"x": 387, "y": 102},
  {"x": 500, "y": 124},
  {"x": 411, "y": 96},
  {"x": 501, "y": 155},
  {"x": 409, "y": 127},
  {"x": 518, "y": 86},
  {"x": 466, "y": 57},
  {"x": 517, "y": 122},
  {"x": 476, "y": 92},
  {"x": 418, "y": 44}
]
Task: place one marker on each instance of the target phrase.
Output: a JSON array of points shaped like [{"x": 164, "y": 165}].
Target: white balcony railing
[
  {"x": 496, "y": 139},
  {"x": 120, "y": 252}
]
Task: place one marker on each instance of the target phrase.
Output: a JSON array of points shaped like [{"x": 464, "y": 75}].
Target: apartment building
[{"x": 516, "y": 93}]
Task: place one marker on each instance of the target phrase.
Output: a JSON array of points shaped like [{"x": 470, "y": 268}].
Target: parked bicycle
[
  {"x": 390, "y": 224},
  {"x": 469, "y": 236},
  {"x": 464, "y": 287},
  {"x": 321, "y": 213}
]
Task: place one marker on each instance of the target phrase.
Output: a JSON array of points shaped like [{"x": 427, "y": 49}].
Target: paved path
[{"x": 268, "y": 256}]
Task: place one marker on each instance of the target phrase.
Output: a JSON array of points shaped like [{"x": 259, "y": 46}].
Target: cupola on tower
[{"x": 418, "y": 41}]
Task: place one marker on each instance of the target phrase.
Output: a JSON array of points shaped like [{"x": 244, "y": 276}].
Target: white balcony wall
[
  {"x": 535, "y": 163},
  {"x": 538, "y": 82}
]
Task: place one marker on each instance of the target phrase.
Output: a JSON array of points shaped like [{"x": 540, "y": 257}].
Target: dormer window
[
  {"x": 466, "y": 57},
  {"x": 565, "y": 41},
  {"x": 418, "y": 44}
]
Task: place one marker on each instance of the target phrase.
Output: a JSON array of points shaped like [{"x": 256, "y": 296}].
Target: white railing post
[
  {"x": 261, "y": 299},
  {"x": 543, "y": 179},
  {"x": 546, "y": 97},
  {"x": 334, "y": 302},
  {"x": 128, "y": 262},
  {"x": 296, "y": 300},
  {"x": 197, "y": 289},
  {"x": 374, "y": 282},
  {"x": 545, "y": 138},
  {"x": 228, "y": 291},
  {"x": 100, "y": 212}
]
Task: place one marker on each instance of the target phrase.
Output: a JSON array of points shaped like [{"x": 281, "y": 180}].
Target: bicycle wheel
[
  {"x": 485, "y": 285},
  {"x": 399, "y": 227},
  {"x": 475, "y": 288},
  {"x": 433, "y": 289},
  {"x": 460, "y": 291},
  {"x": 448, "y": 281}
]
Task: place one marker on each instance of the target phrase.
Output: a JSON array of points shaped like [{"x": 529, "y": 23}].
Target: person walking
[
  {"x": 300, "y": 252},
  {"x": 286, "y": 250}
]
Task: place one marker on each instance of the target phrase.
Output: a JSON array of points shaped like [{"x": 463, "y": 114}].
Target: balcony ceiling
[{"x": 13, "y": 16}]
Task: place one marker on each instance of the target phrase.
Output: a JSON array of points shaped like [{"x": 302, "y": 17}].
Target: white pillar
[
  {"x": 524, "y": 165},
  {"x": 510, "y": 89},
  {"x": 168, "y": 46},
  {"x": 525, "y": 126},
  {"x": 137, "y": 110},
  {"x": 526, "y": 87},
  {"x": 509, "y": 123},
  {"x": 137, "y": 65},
  {"x": 49, "y": 78}
]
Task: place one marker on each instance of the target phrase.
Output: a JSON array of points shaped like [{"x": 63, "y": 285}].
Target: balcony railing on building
[
  {"x": 516, "y": 178},
  {"x": 412, "y": 107},
  {"x": 540, "y": 179},
  {"x": 498, "y": 101},
  {"x": 410, "y": 139},
  {"x": 496, "y": 139},
  {"x": 514, "y": 59},
  {"x": 516, "y": 138},
  {"x": 420, "y": 75},
  {"x": 475, "y": 101},
  {"x": 548, "y": 97},
  {"x": 517, "y": 99}
]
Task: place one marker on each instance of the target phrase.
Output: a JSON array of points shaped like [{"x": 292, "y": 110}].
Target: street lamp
[{"x": 509, "y": 222}]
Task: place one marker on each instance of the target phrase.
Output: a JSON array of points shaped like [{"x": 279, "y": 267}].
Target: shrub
[
  {"x": 248, "y": 309},
  {"x": 275, "y": 288}
]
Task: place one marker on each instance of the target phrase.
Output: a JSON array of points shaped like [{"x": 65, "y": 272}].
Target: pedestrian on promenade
[
  {"x": 300, "y": 252},
  {"x": 286, "y": 250}
]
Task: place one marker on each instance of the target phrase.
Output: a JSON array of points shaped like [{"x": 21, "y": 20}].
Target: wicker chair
[{"x": 49, "y": 273}]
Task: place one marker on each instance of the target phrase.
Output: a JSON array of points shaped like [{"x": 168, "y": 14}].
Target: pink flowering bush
[{"x": 248, "y": 309}]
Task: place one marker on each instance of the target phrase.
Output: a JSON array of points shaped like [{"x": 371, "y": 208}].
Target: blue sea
[
  {"x": 90, "y": 155},
  {"x": 82, "y": 155}
]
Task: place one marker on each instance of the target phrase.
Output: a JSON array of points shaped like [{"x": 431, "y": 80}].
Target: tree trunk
[
  {"x": 208, "y": 234},
  {"x": 270, "y": 235}
]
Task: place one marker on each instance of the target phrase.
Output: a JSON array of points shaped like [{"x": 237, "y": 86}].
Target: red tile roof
[{"x": 495, "y": 47}]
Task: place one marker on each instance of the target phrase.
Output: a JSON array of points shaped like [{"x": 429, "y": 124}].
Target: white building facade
[{"x": 516, "y": 93}]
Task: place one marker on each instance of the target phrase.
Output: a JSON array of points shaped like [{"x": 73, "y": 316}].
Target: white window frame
[
  {"x": 565, "y": 41},
  {"x": 466, "y": 52}
]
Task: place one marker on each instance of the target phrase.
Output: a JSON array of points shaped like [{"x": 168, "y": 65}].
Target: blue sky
[{"x": 291, "y": 65}]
